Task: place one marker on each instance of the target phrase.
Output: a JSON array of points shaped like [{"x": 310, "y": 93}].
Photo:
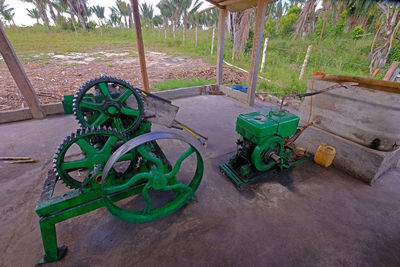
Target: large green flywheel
[{"x": 159, "y": 176}]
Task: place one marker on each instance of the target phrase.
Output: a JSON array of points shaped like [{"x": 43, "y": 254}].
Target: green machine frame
[
  {"x": 113, "y": 131},
  {"x": 160, "y": 176}
]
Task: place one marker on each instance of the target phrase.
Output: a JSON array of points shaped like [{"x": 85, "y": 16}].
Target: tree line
[{"x": 293, "y": 19}]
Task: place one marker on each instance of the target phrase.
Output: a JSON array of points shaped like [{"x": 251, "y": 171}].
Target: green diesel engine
[{"x": 266, "y": 141}]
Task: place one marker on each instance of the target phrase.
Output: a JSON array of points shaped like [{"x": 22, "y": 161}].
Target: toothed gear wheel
[
  {"x": 79, "y": 158},
  {"x": 111, "y": 102}
]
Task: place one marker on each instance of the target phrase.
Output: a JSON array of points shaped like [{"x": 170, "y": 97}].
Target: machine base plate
[{"x": 239, "y": 181}]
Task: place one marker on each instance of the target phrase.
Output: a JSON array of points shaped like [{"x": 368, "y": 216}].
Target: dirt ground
[{"x": 54, "y": 75}]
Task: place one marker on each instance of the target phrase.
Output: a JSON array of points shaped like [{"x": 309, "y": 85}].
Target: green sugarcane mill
[{"x": 115, "y": 156}]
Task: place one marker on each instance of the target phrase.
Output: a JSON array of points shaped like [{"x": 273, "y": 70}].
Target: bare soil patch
[{"x": 54, "y": 76}]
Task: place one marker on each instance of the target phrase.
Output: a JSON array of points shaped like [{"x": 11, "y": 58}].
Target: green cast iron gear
[
  {"x": 93, "y": 155},
  {"x": 108, "y": 106},
  {"x": 159, "y": 177},
  {"x": 260, "y": 156}
]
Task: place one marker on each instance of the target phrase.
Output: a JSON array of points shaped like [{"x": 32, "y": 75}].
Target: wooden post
[
  {"x": 264, "y": 52},
  {"x": 221, "y": 43},
  {"x": 255, "y": 53},
  {"x": 212, "y": 41},
  {"x": 139, "y": 41},
  {"x": 303, "y": 68},
  {"x": 19, "y": 75},
  {"x": 391, "y": 70},
  {"x": 197, "y": 30}
]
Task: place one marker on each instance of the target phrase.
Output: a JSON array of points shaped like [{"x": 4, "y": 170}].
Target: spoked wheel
[
  {"x": 158, "y": 177},
  {"x": 81, "y": 157},
  {"x": 109, "y": 101}
]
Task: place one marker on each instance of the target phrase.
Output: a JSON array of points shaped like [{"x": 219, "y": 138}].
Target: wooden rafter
[
  {"x": 215, "y": 4},
  {"x": 236, "y": 5},
  {"x": 229, "y": 2},
  {"x": 206, "y": 10}
]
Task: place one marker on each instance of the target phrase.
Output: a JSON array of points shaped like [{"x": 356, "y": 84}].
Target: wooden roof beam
[
  {"x": 206, "y": 10},
  {"x": 229, "y": 2},
  {"x": 215, "y": 4}
]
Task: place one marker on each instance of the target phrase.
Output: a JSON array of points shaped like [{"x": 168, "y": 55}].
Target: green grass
[
  {"x": 175, "y": 83},
  {"x": 284, "y": 59}
]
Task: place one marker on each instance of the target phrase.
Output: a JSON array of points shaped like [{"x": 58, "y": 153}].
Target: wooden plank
[
  {"x": 140, "y": 46},
  {"x": 372, "y": 84},
  {"x": 236, "y": 5},
  {"x": 206, "y": 10},
  {"x": 255, "y": 53},
  {"x": 391, "y": 70},
  {"x": 229, "y": 2},
  {"x": 221, "y": 43},
  {"x": 19, "y": 75},
  {"x": 215, "y": 4}
]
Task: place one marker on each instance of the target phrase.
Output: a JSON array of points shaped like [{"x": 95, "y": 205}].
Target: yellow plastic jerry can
[{"x": 325, "y": 155}]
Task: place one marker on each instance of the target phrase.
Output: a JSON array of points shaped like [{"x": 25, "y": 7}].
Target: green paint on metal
[
  {"x": 152, "y": 172},
  {"x": 261, "y": 146},
  {"x": 161, "y": 177},
  {"x": 109, "y": 105},
  {"x": 257, "y": 126}
]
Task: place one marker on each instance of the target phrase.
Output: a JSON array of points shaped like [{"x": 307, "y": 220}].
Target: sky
[{"x": 21, "y": 18}]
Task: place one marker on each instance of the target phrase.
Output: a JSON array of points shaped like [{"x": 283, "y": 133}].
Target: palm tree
[
  {"x": 241, "y": 23},
  {"x": 79, "y": 9},
  {"x": 5, "y": 11},
  {"x": 383, "y": 40},
  {"x": 130, "y": 15},
  {"x": 41, "y": 7},
  {"x": 167, "y": 10},
  {"x": 176, "y": 15},
  {"x": 195, "y": 20},
  {"x": 306, "y": 17},
  {"x": 99, "y": 12},
  {"x": 157, "y": 21},
  {"x": 363, "y": 13},
  {"x": 123, "y": 10},
  {"x": 8, "y": 15},
  {"x": 115, "y": 18},
  {"x": 186, "y": 8},
  {"x": 147, "y": 13},
  {"x": 211, "y": 20},
  {"x": 52, "y": 14},
  {"x": 33, "y": 13},
  {"x": 60, "y": 6}
]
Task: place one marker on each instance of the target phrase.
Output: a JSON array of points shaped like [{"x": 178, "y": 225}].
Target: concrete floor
[{"x": 308, "y": 216}]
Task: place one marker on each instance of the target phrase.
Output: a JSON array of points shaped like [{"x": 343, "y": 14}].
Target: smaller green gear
[
  {"x": 80, "y": 158},
  {"x": 111, "y": 102}
]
